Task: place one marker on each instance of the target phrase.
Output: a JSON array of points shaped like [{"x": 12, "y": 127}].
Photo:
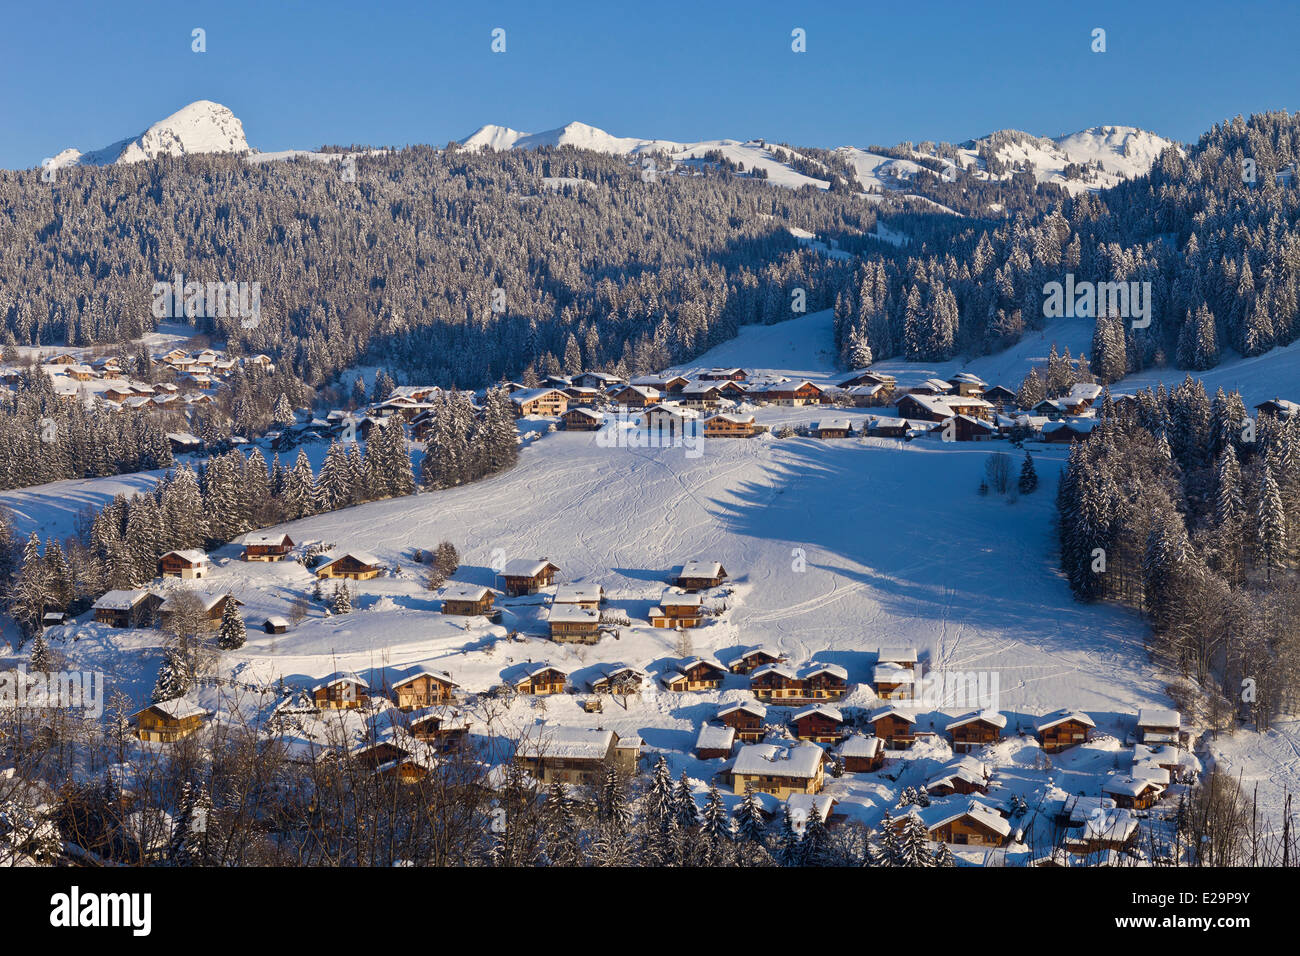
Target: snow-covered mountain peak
[{"x": 201, "y": 127}]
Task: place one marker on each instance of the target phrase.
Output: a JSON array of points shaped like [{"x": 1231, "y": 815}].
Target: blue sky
[{"x": 390, "y": 73}]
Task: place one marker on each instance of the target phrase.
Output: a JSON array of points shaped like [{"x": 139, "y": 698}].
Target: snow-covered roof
[
  {"x": 120, "y": 600},
  {"x": 860, "y": 745},
  {"x": 937, "y": 815},
  {"x": 835, "y": 670},
  {"x": 896, "y": 655},
  {"x": 831, "y": 713},
  {"x": 805, "y": 802},
  {"x": 361, "y": 557},
  {"x": 572, "y": 614},
  {"x": 732, "y": 417},
  {"x": 577, "y": 593},
  {"x": 206, "y": 600},
  {"x": 339, "y": 679},
  {"x": 440, "y": 676},
  {"x": 190, "y": 555},
  {"x": 1160, "y": 718},
  {"x": 265, "y": 539},
  {"x": 876, "y": 715},
  {"x": 525, "y": 395},
  {"x": 748, "y": 706},
  {"x": 275, "y": 620},
  {"x": 892, "y": 674},
  {"x": 525, "y": 567},
  {"x": 1128, "y": 785},
  {"x": 701, "y": 569},
  {"x": 1060, "y": 717},
  {"x": 672, "y": 597},
  {"x": 798, "y": 760},
  {"x": 532, "y": 670},
  {"x": 783, "y": 670},
  {"x": 177, "y": 709},
  {"x": 551, "y": 740},
  {"x": 715, "y": 737},
  {"x": 984, "y": 716},
  {"x": 967, "y": 769},
  {"x": 465, "y": 592}
]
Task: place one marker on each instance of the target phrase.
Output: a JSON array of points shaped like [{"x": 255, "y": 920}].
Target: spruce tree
[
  {"x": 1028, "y": 477},
  {"x": 232, "y": 634}
]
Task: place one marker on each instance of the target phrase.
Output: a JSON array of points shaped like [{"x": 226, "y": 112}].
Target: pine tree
[
  {"x": 41, "y": 660},
  {"x": 283, "y": 414},
  {"x": 816, "y": 840},
  {"x": 1270, "y": 528},
  {"x": 342, "y": 601},
  {"x": 943, "y": 857},
  {"x": 232, "y": 635},
  {"x": 1028, "y": 477},
  {"x": 174, "y": 676},
  {"x": 788, "y": 844},
  {"x": 715, "y": 828},
  {"x": 914, "y": 847}
]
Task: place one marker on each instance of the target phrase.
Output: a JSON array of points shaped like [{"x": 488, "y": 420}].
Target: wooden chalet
[
  {"x": 266, "y": 547},
  {"x": 190, "y": 564},
  {"x": 677, "y": 609},
  {"x": 571, "y": 755},
  {"x": 541, "y": 680},
  {"x": 169, "y": 721},
  {"x": 966, "y": 384},
  {"x": 999, "y": 396},
  {"x": 590, "y": 596},
  {"x": 778, "y": 770},
  {"x": 866, "y": 396},
  {"x": 1063, "y": 729},
  {"x": 963, "y": 776},
  {"x": 746, "y": 718},
  {"x": 467, "y": 599},
  {"x": 597, "y": 380},
  {"x": 938, "y": 408},
  {"x": 700, "y": 575},
  {"x": 1060, "y": 432},
  {"x": 975, "y": 730},
  {"x": 275, "y": 624},
  {"x": 793, "y": 393},
  {"x": 901, "y": 656},
  {"x": 755, "y": 658},
  {"x": 824, "y": 681},
  {"x": 729, "y": 425},
  {"x": 694, "y": 675},
  {"x": 965, "y": 428},
  {"x": 213, "y": 606},
  {"x": 423, "y": 689},
  {"x": 1281, "y": 408},
  {"x": 833, "y": 428},
  {"x": 341, "y": 692},
  {"x": 441, "y": 729},
  {"x": 528, "y": 576},
  {"x": 819, "y": 724},
  {"x": 700, "y": 395},
  {"x": 582, "y": 420},
  {"x": 573, "y": 624},
  {"x": 1158, "y": 726},
  {"x": 861, "y": 754},
  {"x": 972, "y": 825},
  {"x": 893, "y": 681},
  {"x": 539, "y": 401},
  {"x": 354, "y": 565},
  {"x": 714, "y": 741},
  {"x": 868, "y": 377},
  {"x": 894, "y": 726},
  {"x": 776, "y": 683},
  {"x": 127, "y": 608},
  {"x": 1132, "y": 793},
  {"x": 724, "y": 375},
  {"x": 619, "y": 678},
  {"x": 636, "y": 396}
]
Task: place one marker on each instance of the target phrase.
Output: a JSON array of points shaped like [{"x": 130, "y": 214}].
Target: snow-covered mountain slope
[
  {"x": 1115, "y": 153},
  {"x": 201, "y": 127},
  {"x": 755, "y": 154}
]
